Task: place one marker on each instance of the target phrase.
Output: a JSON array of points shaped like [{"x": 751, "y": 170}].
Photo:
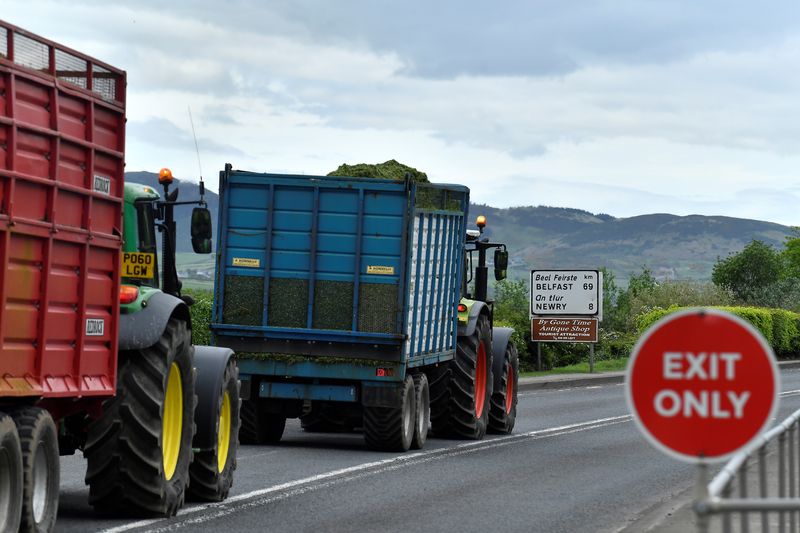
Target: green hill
[{"x": 673, "y": 247}]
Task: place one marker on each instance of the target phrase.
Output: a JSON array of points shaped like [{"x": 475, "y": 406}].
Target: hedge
[
  {"x": 201, "y": 316},
  {"x": 781, "y": 328}
]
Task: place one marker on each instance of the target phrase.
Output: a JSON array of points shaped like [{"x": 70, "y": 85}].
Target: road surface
[{"x": 575, "y": 462}]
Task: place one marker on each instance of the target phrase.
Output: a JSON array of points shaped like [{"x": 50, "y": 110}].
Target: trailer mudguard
[
  {"x": 465, "y": 330},
  {"x": 500, "y": 339},
  {"x": 210, "y": 363},
  {"x": 143, "y": 329}
]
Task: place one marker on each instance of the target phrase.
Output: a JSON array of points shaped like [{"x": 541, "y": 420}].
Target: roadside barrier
[{"x": 759, "y": 488}]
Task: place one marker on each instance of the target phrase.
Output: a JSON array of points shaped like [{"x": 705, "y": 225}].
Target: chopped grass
[{"x": 606, "y": 365}]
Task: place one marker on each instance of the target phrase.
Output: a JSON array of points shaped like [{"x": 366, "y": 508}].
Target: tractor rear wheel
[
  {"x": 260, "y": 426},
  {"x": 461, "y": 389},
  {"x": 503, "y": 412},
  {"x": 40, "y": 468},
  {"x": 139, "y": 451},
  {"x": 10, "y": 476},
  {"x": 211, "y": 471},
  {"x": 391, "y": 429}
]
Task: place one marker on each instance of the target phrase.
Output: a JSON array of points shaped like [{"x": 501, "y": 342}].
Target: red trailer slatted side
[{"x": 62, "y": 143}]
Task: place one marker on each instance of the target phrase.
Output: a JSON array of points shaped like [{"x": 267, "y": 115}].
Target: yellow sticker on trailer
[
  {"x": 379, "y": 269},
  {"x": 138, "y": 265},
  {"x": 246, "y": 262}
]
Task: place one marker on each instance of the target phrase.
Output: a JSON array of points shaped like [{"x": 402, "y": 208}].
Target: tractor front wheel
[
  {"x": 503, "y": 412},
  {"x": 211, "y": 471}
]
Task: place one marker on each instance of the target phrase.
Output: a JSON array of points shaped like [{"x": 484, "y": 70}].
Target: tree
[
  {"x": 512, "y": 299},
  {"x": 612, "y": 318},
  {"x": 511, "y": 308},
  {"x": 749, "y": 273},
  {"x": 791, "y": 253},
  {"x": 638, "y": 285}
]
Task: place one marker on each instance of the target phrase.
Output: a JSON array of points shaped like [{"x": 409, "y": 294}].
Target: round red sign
[{"x": 701, "y": 384}]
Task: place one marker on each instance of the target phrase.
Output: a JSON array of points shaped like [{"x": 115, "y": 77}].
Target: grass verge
[{"x": 606, "y": 365}]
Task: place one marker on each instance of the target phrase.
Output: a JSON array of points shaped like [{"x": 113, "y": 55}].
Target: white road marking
[{"x": 293, "y": 488}]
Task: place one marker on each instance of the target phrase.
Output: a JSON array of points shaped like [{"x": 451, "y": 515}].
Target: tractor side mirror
[
  {"x": 201, "y": 230},
  {"x": 500, "y": 264}
]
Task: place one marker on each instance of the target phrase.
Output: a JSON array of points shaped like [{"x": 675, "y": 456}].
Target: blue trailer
[{"x": 342, "y": 298}]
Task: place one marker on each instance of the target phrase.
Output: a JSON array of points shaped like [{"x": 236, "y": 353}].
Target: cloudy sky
[{"x": 613, "y": 106}]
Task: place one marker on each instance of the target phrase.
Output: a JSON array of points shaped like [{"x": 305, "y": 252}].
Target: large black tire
[
  {"x": 40, "y": 469},
  {"x": 422, "y": 416},
  {"x": 127, "y": 472},
  {"x": 10, "y": 476},
  {"x": 391, "y": 429},
  {"x": 503, "y": 412},
  {"x": 211, "y": 471},
  {"x": 260, "y": 426},
  {"x": 461, "y": 389}
]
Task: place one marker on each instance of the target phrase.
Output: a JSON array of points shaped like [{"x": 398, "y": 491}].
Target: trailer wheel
[
  {"x": 211, "y": 471},
  {"x": 391, "y": 429},
  {"x": 139, "y": 451},
  {"x": 259, "y": 426},
  {"x": 10, "y": 476},
  {"x": 40, "y": 468},
  {"x": 503, "y": 412},
  {"x": 422, "y": 419},
  {"x": 461, "y": 390}
]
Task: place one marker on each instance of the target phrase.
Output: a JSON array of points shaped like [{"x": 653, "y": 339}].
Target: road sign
[
  {"x": 566, "y": 329},
  {"x": 566, "y": 292},
  {"x": 701, "y": 384}
]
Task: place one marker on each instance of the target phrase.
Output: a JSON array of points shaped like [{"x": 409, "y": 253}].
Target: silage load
[
  {"x": 427, "y": 198},
  {"x": 390, "y": 170}
]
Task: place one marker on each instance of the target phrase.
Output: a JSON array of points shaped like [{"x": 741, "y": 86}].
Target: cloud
[
  {"x": 164, "y": 133},
  {"x": 621, "y": 107}
]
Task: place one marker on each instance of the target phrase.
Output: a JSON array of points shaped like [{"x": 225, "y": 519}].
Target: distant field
[
  {"x": 198, "y": 265},
  {"x": 198, "y": 261},
  {"x": 197, "y": 284}
]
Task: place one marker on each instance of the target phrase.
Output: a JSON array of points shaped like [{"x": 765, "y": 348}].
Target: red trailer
[
  {"x": 88, "y": 359},
  {"x": 62, "y": 143}
]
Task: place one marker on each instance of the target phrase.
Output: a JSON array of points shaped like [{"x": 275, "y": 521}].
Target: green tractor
[
  {"x": 477, "y": 390},
  {"x": 171, "y": 430}
]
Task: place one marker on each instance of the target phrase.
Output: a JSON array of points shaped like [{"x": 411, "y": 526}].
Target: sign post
[
  {"x": 701, "y": 385},
  {"x": 566, "y": 306},
  {"x": 566, "y": 293}
]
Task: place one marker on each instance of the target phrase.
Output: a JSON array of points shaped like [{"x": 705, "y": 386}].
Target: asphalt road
[{"x": 575, "y": 462}]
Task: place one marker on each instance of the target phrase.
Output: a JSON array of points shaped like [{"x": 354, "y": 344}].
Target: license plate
[{"x": 138, "y": 265}]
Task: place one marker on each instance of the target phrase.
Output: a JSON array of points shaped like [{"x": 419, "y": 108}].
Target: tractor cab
[
  {"x": 145, "y": 213},
  {"x": 475, "y": 242}
]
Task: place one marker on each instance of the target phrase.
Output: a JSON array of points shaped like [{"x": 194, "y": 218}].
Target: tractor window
[{"x": 146, "y": 228}]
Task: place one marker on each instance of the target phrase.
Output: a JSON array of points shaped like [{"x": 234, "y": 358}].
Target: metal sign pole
[
  {"x": 591, "y": 358},
  {"x": 539, "y": 356},
  {"x": 701, "y": 497}
]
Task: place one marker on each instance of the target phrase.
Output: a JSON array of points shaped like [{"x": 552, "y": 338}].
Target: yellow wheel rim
[
  {"x": 173, "y": 421},
  {"x": 224, "y": 433}
]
